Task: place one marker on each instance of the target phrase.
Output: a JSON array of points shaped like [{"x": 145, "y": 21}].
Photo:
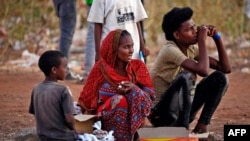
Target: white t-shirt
[{"x": 122, "y": 14}]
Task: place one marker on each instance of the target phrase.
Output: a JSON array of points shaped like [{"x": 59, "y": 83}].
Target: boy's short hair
[
  {"x": 49, "y": 59},
  {"x": 173, "y": 19}
]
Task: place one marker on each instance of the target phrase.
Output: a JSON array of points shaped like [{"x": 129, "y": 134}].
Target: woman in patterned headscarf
[{"x": 118, "y": 88}]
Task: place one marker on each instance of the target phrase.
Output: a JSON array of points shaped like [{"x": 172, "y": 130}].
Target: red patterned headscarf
[{"x": 103, "y": 70}]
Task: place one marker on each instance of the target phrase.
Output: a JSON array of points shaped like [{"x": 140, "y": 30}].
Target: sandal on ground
[{"x": 200, "y": 128}]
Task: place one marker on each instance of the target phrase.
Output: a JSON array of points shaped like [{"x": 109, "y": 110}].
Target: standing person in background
[
  {"x": 141, "y": 23},
  {"x": 66, "y": 12},
  {"x": 52, "y": 103},
  {"x": 143, "y": 34},
  {"x": 176, "y": 68},
  {"x": 247, "y": 9},
  {"x": 119, "y": 89},
  {"x": 247, "y": 12},
  {"x": 123, "y": 14},
  {"x": 90, "y": 47}
]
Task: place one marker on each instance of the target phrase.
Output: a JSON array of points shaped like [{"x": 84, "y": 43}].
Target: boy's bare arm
[{"x": 70, "y": 121}]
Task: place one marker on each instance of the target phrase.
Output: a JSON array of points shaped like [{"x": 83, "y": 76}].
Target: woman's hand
[{"x": 126, "y": 86}]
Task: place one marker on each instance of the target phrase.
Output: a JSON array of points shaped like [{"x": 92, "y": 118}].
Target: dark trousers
[{"x": 178, "y": 108}]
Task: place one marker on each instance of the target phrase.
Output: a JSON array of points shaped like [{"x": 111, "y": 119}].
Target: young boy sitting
[{"x": 51, "y": 102}]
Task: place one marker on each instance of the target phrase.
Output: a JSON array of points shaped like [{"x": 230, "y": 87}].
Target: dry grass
[
  {"x": 29, "y": 17},
  {"x": 227, "y": 15}
]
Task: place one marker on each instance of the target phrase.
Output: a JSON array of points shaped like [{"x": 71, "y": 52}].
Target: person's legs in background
[
  {"x": 247, "y": 13},
  {"x": 247, "y": 9},
  {"x": 89, "y": 50},
  {"x": 66, "y": 11}
]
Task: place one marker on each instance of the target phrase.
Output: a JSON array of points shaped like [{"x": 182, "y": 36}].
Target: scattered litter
[
  {"x": 98, "y": 134},
  {"x": 245, "y": 70},
  {"x": 27, "y": 59},
  {"x": 18, "y": 45}
]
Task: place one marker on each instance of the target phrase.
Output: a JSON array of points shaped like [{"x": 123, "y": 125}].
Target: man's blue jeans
[
  {"x": 66, "y": 12},
  {"x": 90, "y": 49}
]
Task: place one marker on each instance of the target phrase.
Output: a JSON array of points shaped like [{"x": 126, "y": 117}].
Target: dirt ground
[{"x": 16, "y": 85}]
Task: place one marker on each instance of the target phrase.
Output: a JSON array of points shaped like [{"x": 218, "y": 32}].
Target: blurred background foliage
[
  {"x": 227, "y": 15},
  {"x": 21, "y": 18}
]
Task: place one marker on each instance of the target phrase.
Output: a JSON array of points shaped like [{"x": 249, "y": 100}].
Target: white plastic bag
[{"x": 98, "y": 134}]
